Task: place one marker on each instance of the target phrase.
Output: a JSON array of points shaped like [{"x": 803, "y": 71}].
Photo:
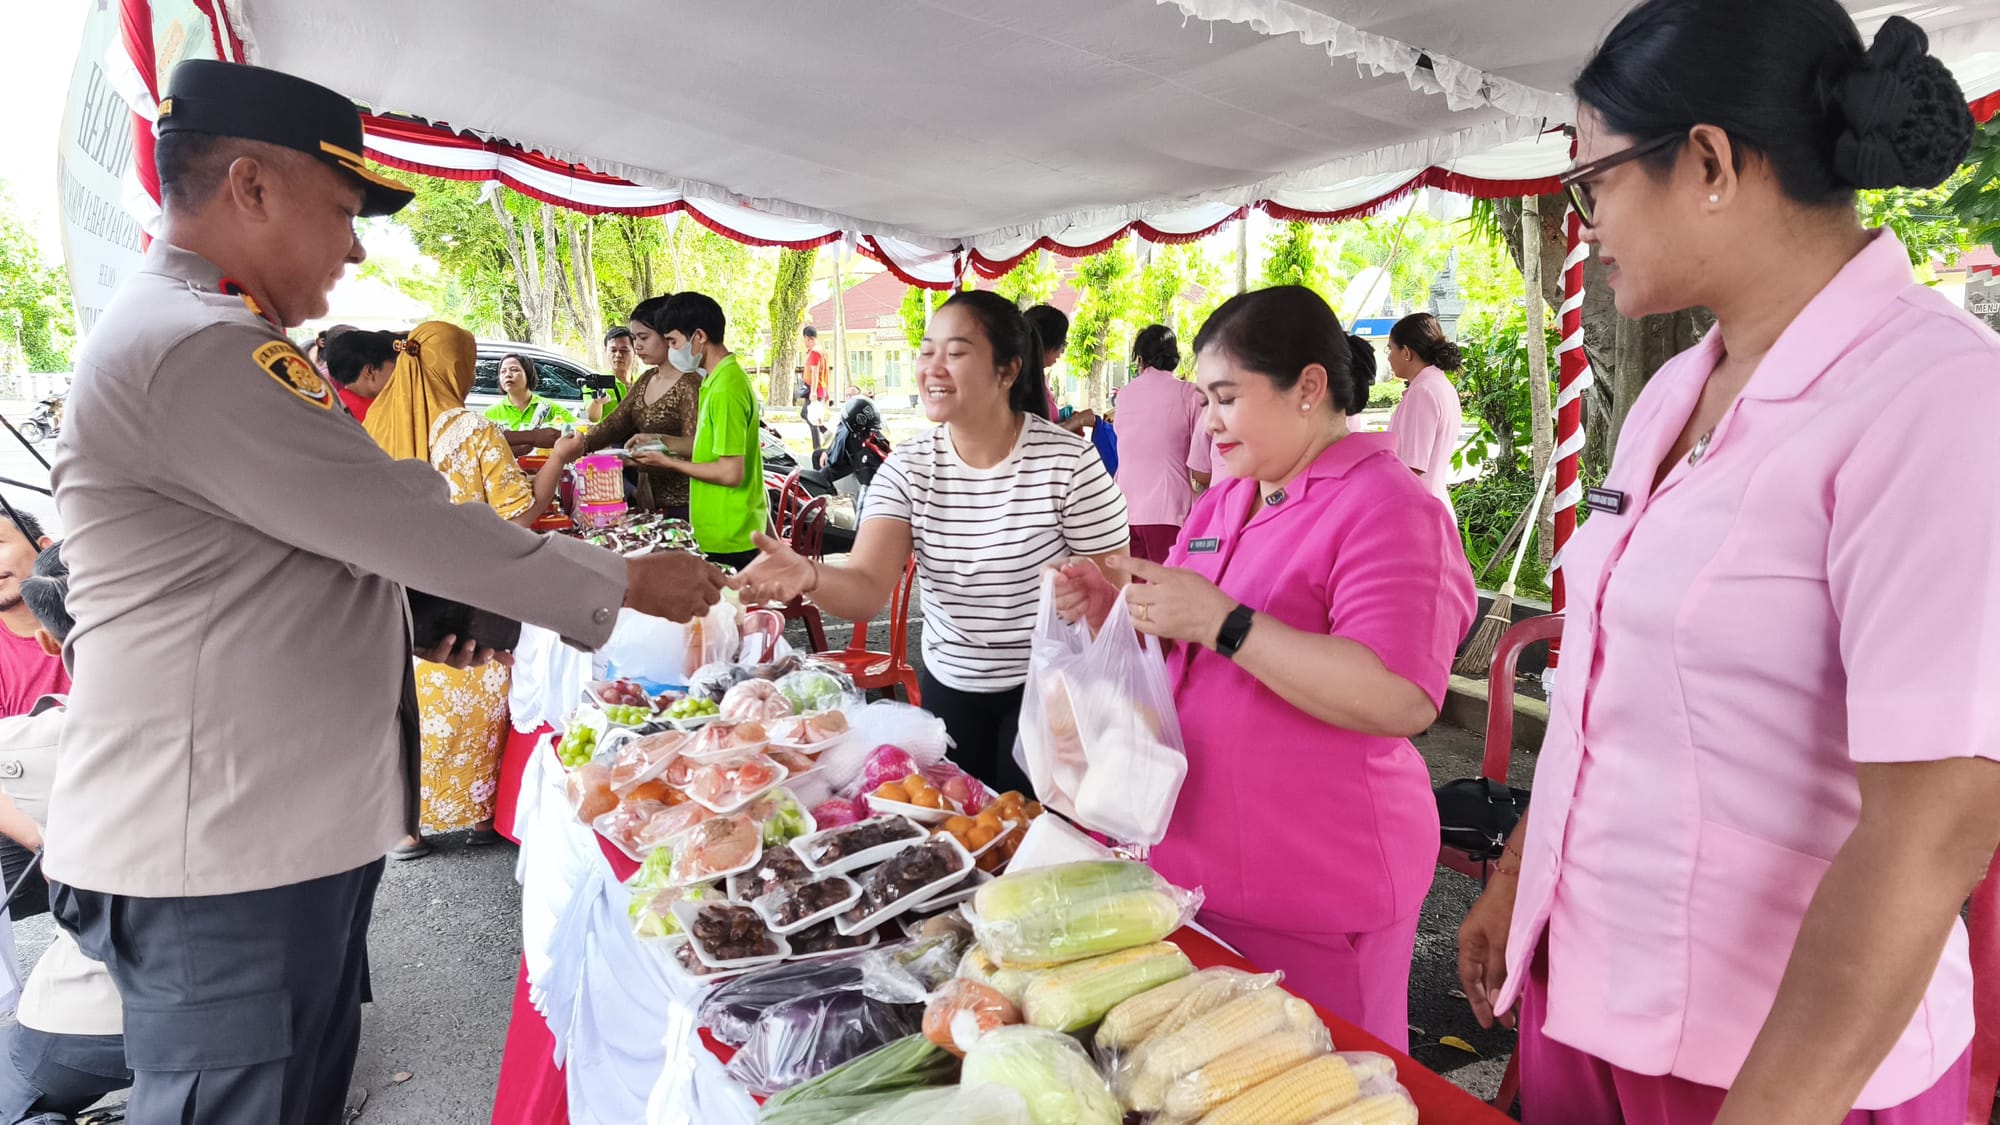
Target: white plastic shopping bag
[{"x": 1099, "y": 736}]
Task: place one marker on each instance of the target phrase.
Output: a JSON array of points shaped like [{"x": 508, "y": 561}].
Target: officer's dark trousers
[
  {"x": 240, "y": 1009},
  {"x": 51, "y": 1078}
]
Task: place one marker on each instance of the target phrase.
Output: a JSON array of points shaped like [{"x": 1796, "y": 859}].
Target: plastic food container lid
[
  {"x": 874, "y": 939},
  {"x": 686, "y": 912},
  {"x": 684, "y": 878},
  {"x": 919, "y": 897},
  {"x": 917, "y": 813},
  {"x": 779, "y": 774},
  {"x": 766, "y": 905},
  {"x": 865, "y": 858}
]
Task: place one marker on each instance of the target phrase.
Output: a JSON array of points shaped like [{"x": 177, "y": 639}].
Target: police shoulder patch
[{"x": 292, "y": 371}]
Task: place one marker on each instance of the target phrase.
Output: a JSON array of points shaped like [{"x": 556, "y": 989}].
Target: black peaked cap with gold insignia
[{"x": 233, "y": 100}]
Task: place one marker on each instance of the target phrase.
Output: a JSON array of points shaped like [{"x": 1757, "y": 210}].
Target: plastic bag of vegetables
[
  {"x": 1053, "y": 915},
  {"x": 730, "y": 1011},
  {"x": 909, "y": 1063},
  {"x": 1050, "y": 1072},
  {"x": 958, "y": 1105},
  {"x": 805, "y": 1037}
]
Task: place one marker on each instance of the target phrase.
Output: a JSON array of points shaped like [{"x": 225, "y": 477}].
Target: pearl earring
[
  {"x": 1715, "y": 199},
  {"x": 1305, "y": 408}
]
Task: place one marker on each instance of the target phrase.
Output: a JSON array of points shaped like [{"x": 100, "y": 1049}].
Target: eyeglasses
[{"x": 1577, "y": 182}]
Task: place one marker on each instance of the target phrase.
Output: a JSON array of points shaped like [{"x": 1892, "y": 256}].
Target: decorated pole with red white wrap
[
  {"x": 1574, "y": 378},
  {"x": 136, "y": 29}
]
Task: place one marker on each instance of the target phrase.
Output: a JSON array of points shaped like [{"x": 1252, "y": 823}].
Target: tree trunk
[
  {"x": 836, "y": 370},
  {"x": 1243, "y": 253},
  {"x": 531, "y": 280},
  {"x": 1623, "y": 353},
  {"x": 789, "y": 296},
  {"x": 577, "y": 280},
  {"x": 1544, "y": 431}
]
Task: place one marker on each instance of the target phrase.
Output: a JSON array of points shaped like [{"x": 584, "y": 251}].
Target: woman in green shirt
[{"x": 531, "y": 421}]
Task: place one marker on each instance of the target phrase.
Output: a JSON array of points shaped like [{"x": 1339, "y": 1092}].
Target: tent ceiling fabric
[{"x": 960, "y": 132}]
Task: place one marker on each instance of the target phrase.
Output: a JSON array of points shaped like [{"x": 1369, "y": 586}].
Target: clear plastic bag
[
  {"x": 1190, "y": 1097},
  {"x": 1050, "y": 1072},
  {"x": 731, "y": 1010},
  {"x": 917, "y": 732},
  {"x": 959, "y": 1105},
  {"x": 963, "y": 1010},
  {"x": 1099, "y": 736},
  {"x": 1053, "y": 915},
  {"x": 1144, "y": 1076},
  {"x": 806, "y": 1036}
]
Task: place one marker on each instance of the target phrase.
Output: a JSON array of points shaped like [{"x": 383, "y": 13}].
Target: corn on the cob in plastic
[
  {"x": 1128, "y": 1023},
  {"x": 1159, "y": 1062},
  {"x": 1247, "y": 1066},
  {"x": 1217, "y": 991},
  {"x": 1080, "y": 993},
  {"x": 1299, "y": 1096},
  {"x": 1380, "y": 1109}
]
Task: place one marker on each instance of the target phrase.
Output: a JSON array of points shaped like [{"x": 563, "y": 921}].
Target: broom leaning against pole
[{"x": 1478, "y": 656}]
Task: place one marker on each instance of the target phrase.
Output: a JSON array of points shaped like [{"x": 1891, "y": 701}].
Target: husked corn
[
  {"x": 1299, "y": 1096},
  {"x": 1214, "y": 993},
  {"x": 1161, "y": 1060},
  {"x": 1380, "y": 1109},
  {"x": 1128, "y": 1023},
  {"x": 1241, "y": 1069}
]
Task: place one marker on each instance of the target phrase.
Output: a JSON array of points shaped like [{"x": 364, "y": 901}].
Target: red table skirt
[{"x": 531, "y": 1086}]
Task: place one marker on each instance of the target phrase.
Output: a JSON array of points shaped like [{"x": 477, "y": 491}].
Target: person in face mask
[
  {"x": 722, "y": 462},
  {"x": 662, "y": 404}
]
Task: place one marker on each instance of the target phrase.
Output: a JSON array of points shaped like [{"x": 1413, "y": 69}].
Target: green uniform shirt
[
  {"x": 538, "y": 413},
  {"x": 725, "y": 518}
]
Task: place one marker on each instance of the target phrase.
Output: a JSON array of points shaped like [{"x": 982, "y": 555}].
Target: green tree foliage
[
  {"x": 1974, "y": 195},
  {"x": 917, "y": 303},
  {"x": 1291, "y": 257},
  {"x": 1923, "y": 220},
  {"x": 1032, "y": 281},
  {"x": 1106, "y": 286},
  {"x": 1178, "y": 287},
  {"x": 37, "y": 322},
  {"x": 475, "y": 287},
  {"x": 790, "y": 291}
]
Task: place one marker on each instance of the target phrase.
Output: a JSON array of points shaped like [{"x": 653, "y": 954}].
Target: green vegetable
[
  {"x": 653, "y": 874},
  {"x": 1050, "y": 1072},
  {"x": 788, "y": 823},
  {"x": 827, "y": 1111},
  {"x": 906, "y": 1064},
  {"x": 1078, "y": 994},
  {"x": 1057, "y": 914}
]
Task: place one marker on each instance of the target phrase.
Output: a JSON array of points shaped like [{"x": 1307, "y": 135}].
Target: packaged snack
[
  {"x": 668, "y": 823},
  {"x": 825, "y": 939},
  {"x": 716, "y": 849},
  {"x": 783, "y": 818},
  {"x": 590, "y": 794},
  {"x": 642, "y": 759},
  {"x": 810, "y": 733},
  {"x": 623, "y": 824},
  {"x": 731, "y": 786},
  {"x": 729, "y": 935},
  {"x": 906, "y": 880},
  {"x": 652, "y": 911},
  {"x": 791, "y": 908},
  {"x": 725, "y": 739},
  {"x": 857, "y": 845},
  {"x": 755, "y": 699},
  {"x": 812, "y": 689},
  {"x": 776, "y": 869}
]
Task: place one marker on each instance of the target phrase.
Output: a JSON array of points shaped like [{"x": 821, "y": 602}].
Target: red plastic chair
[
  {"x": 1493, "y": 765},
  {"x": 792, "y": 500},
  {"x": 881, "y": 670},
  {"x": 808, "y": 535}
]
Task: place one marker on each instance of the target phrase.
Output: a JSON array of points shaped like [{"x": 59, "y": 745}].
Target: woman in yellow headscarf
[{"x": 421, "y": 415}]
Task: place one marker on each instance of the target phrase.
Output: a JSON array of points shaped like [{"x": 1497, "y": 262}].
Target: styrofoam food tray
[
  {"x": 803, "y": 846},
  {"x": 686, "y": 912},
  {"x": 914, "y": 899}
]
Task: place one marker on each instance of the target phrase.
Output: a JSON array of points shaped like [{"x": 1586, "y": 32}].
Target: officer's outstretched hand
[{"x": 672, "y": 584}]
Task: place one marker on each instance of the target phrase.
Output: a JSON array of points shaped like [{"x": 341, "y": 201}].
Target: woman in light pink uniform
[
  {"x": 1770, "y": 777},
  {"x": 1163, "y": 454},
  {"x": 1314, "y": 601},
  {"x": 1427, "y": 420}
]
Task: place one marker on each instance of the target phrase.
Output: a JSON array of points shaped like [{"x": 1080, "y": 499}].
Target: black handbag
[
  {"x": 432, "y": 619},
  {"x": 1477, "y": 814}
]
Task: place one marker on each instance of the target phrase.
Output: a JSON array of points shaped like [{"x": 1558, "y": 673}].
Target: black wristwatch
[{"x": 1235, "y": 630}]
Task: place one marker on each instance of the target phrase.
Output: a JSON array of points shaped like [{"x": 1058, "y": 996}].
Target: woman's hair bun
[{"x": 1902, "y": 117}]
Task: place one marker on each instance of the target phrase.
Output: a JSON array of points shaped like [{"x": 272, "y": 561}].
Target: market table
[{"x": 602, "y": 1033}]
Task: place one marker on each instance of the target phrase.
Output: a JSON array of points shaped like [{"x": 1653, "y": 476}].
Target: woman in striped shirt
[{"x": 984, "y": 502}]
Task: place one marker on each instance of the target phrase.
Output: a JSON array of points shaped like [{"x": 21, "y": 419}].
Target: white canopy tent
[{"x": 947, "y": 134}]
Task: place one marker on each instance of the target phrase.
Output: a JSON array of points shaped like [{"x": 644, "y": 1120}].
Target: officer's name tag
[
  {"x": 1204, "y": 546},
  {"x": 1608, "y": 500}
]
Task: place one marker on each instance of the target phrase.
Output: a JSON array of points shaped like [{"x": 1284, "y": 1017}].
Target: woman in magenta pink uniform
[
  {"x": 1314, "y": 602},
  {"x": 1769, "y": 781}
]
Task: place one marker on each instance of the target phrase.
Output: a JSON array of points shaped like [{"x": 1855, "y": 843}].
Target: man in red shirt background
[
  {"x": 814, "y": 390},
  {"x": 26, "y": 672}
]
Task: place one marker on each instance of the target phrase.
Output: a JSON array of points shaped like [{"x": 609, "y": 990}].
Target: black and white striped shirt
[{"x": 982, "y": 537}]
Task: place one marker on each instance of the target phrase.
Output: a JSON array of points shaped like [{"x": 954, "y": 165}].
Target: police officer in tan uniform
[{"x": 240, "y": 750}]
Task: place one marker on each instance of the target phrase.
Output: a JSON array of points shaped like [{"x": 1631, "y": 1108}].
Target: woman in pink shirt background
[
  {"x": 1427, "y": 420},
  {"x": 1314, "y": 602},
  {"x": 1162, "y": 448},
  {"x": 26, "y": 672},
  {"x": 1770, "y": 777}
]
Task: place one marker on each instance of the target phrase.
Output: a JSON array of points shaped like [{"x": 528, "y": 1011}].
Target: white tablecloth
[{"x": 624, "y": 1024}]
